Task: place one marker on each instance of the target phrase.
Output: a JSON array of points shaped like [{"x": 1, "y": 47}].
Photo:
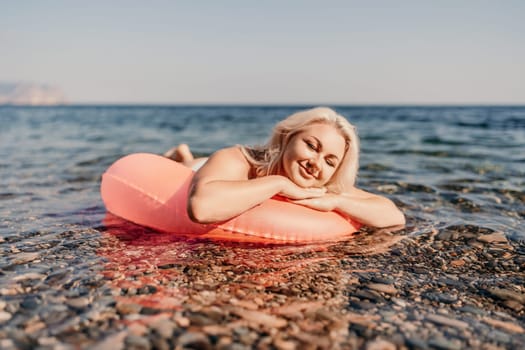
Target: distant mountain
[{"x": 30, "y": 94}]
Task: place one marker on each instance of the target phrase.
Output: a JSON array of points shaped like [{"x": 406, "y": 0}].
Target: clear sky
[{"x": 256, "y": 51}]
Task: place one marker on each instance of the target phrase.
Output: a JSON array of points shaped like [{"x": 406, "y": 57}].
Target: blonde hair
[{"x": 267, "y": 159}]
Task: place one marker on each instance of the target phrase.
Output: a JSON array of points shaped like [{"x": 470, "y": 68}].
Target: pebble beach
[{"x": 75, "y": 277}]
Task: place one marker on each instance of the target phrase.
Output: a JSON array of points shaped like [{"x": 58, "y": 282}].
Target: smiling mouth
[{"x": 305, "y": 173}]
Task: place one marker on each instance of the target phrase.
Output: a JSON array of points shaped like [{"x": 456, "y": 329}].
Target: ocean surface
[
  {"x": 456, "y": 168},
  {"x": 441, "y": 165}
]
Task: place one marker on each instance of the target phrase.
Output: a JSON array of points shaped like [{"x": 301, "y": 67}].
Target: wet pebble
[
  {"x": 29, "y": 276},
  {"x": 496, "y": 237},
  {"x": 472, "y": 309},
  {"x": 163, "y": 327},
  {"x": 363, "y": 305},
  {"x": 513, "y": 326},
  {"x": 507, "y": 294},
  {"x": 368, "y": 294},
  {"x": 5, "y": 316},
  {"x": 444, "y": 344},
  {"x": 194, "y": 340},
  {"x": 30, "y": 303},
  {"x": 124, "y": 308},
  {"x": 24, "y": 258},
  {"x": 441, "y": 297},
  {"x": 137, "y": 343},
  {"x": 78, "y": 303},
  {"x": 380, "y": 344},
  {"x": 383, "y": 288},
  {"x": 446, "y": 321},
  {"x": 383, "y": 279},
  {"x": 260, "y": 318}
]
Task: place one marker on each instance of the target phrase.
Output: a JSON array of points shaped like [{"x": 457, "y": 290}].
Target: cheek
[
  {"x": 290, "y": 154},
  {"x": 329, "y": 174},
  {"x": 286, "y": 163}
]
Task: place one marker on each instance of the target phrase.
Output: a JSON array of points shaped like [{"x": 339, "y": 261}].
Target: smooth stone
[
  {"x": 137, "y": 343},
  {"x": 281, "y": 344},
  {"x": 181, "y": 321},
  {"x": 441, "y": 297},
  {"x": 450, "y": 282},
  {"x": 499, "y": 336},
  {"x": 514, "y": 305},
  {"x": 380, "y": 344},
  {"x": 363, "y": 305},
  {"x": 496, "y": 237},
  {"x": 368, "y": 294},
  {"x": 164, "y": 328},
  {"x": 58, "y": 276},
  {"x": 446, "y": 321},
  {"x": 197, "y": 319},
  {"x": 128, "y": 308},
  {"x": 30, "y": 303},
  {"x": 47, "y": 341},
  {"x": 383, "y": 288},
  {"x": 78, "y": 303},
  {"x": 146, "y": 310},
  {"x": 24, "y": 258},
  {"x": 194, "y": 340},
  {"x": 416, "y": 343},
  {"x": 505, "y": 325},
  {"x": 21, "y": 339},
  {"x": 5, "y": 316},
  {"x": 148, "y": 289},
  {"x": 444, "y": 344},
  {"x": 472, "y": 309},
  {"x": 383, "y": 279},
  {"x": 8, "y": 344},
  {"x": 29, "y": 276},
  {"x": 506, "y": 294},
  {"x": 418, "y": 269},
  {"x": 137, "y": 329},
  {"x": 160, "y": 344},
  {"x": 399, "y": 302},
  {"x": 260, "y": 318},
  {"x": 54, "y": 316}
]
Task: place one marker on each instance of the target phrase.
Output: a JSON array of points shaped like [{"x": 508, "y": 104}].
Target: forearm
[
  {"x": 375, "y": 211},
  {"x": 220, "y": 200}
]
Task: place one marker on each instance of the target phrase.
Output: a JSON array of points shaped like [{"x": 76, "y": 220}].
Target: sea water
[
  {"x": 441, "y": 165},
  {"x": 72, "y": 274}
]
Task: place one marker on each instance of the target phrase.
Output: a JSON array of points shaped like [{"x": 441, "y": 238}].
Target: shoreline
[{"x": 453, "y": 288}]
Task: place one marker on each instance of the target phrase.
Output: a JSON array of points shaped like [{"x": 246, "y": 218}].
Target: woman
[{"x": 312, "y": 159}]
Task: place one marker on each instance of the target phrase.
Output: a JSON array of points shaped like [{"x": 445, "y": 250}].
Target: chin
[
  {"x": 295, "y": 176},
  {"x": 301, "y": 181}
]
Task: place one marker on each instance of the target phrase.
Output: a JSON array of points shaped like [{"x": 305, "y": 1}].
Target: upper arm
[{"x": 361, "y": 194}]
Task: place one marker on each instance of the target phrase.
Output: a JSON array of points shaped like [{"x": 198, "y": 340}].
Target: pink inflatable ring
[{"x": 152, "y": 191}]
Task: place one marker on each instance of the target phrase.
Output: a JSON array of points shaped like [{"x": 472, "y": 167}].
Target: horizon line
[{"x": 274, "y": 104}]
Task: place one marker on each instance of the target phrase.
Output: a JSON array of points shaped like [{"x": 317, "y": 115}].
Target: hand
[
  {"x": 292, "y": 191},
  {"x": 328, "y": 202}
]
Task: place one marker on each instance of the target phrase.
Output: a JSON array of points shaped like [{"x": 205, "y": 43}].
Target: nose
[{"x": 314, "y": 165}]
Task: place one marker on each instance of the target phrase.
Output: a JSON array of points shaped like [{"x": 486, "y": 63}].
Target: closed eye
[
  {"x": 311, "y": 145},
  {"x": 330, "y": 163}
]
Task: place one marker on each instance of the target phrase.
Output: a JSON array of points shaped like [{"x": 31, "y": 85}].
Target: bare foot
[{"x": 180, "y": 153}]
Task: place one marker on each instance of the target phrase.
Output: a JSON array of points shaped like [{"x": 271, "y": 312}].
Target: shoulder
[
  {"x": 226, "y": 163},
  {"x": 230, "y": 155}
]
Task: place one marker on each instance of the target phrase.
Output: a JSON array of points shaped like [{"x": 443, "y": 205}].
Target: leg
[{"x": 180, "y": 153}]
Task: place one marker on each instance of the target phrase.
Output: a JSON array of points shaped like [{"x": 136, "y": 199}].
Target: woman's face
[{"x": 313, "y": 155}]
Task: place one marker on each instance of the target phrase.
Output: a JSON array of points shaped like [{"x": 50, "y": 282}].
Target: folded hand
[
  {"x": 328, "y": 202},
  {"x": 292, "y": 191}
]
